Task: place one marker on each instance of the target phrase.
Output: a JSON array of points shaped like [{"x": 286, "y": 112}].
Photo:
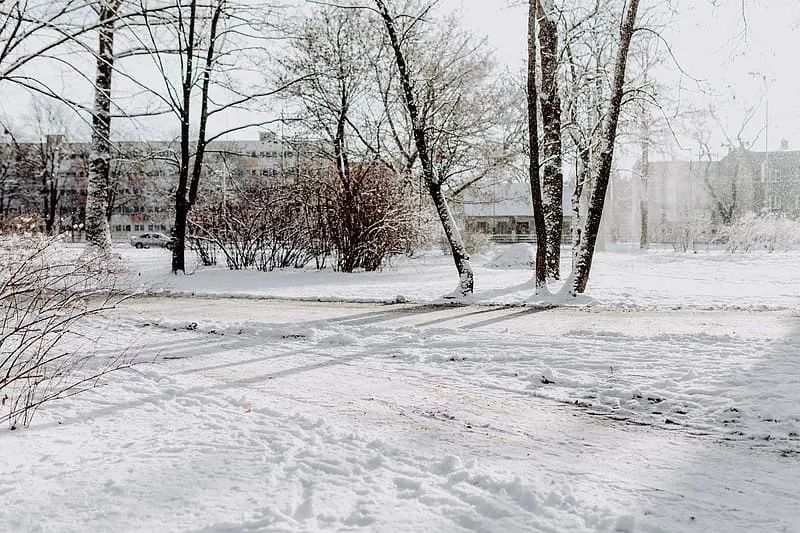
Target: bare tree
[
  {"x": 586, "y": 50},
  {"x": 33, "y": 32},
  {"x": 602, "y": 165},
  {"x": 10, "y": 188},
  {"x": 206, "y": 56},
  {"x": 434, "y": 97},
  {"x": 331, "y": 57},
  {"x": 39, "y": 167},
  {"x": 727, "y": 186}
]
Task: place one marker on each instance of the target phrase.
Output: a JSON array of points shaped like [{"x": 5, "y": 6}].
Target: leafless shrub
[
  {"x": 253, "y": 226},
  {"x": 289, "y": 223},
  {"x": 685, "y": 233},
  {"x": 19, "y": 225},
  {"x": 45, "y": 298},
  {"x": 368, "y": 218}
]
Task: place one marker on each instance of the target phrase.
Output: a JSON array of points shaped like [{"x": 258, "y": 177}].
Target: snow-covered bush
[
  {"x": 685, "y": 233},
  {"x": 765, "y": 232},
  {"x": 368, "y": 219},
  {"x": 45, "y": 296},
  {"x": 19, "y": 225}
]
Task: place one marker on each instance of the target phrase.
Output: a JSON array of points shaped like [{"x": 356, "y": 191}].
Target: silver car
[{"x": 146, "y": 240}]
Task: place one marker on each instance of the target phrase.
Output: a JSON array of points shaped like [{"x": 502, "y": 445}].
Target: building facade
[
  {"x": 504, "y": 212},
  {"x": 49, "y": 179},
  {"x": 709, "y": 192}
]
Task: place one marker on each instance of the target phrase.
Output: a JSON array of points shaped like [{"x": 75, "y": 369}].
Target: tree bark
[
  {"x": 98, "y": 232},
  {"x": 581, "y": 179},
  {"x": 644, "y": 235},
  {"x": 181, "y": 200},
  {"x": 459, "y": 251},
  {"x": 533, "y": 142},
  {"x": 602, "y": 170},
  {"x": 552, "y": 175}
]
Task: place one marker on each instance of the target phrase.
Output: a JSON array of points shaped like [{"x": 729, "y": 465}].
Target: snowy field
[
  {"x": 250, "y": 415},
  {"x": 657, "y": 279},
  {"x": 668, "y": 404}
]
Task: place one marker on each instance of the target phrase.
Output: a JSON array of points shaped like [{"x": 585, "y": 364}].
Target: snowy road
[{"x": 263, "y": 415}]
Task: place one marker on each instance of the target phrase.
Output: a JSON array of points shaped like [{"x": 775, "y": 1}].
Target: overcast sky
[
  {"x": 706, "y": 36},
  {"x": 709, "y": 41}
]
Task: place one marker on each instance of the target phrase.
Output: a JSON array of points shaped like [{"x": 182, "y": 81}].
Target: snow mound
[{"x": 515, "y": 256}]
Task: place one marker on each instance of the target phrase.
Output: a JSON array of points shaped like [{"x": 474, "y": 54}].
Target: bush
[
  {"x": 314, "y": 216},
  {"x": 254, "y": 226},
  {"x": 19, "y": 225},
  {"x": 368, "y": 219},
  {"x": 765, "y": 232},
  {"x": 44, "y": 297},
  {"x": 685, "y": 233}
]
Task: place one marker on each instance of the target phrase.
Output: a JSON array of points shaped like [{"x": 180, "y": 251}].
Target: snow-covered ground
[
  {"x": 296, "y": 416},
  {"x": 656, "y": 279},
  {"x": 668, "y": 403}
]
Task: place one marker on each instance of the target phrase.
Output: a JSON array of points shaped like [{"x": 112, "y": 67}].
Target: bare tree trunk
[
  {"x": 98, "y": 233},
  {"x": 189, "y": 175},
  {"x": 50, "y": 205},
  {"x": 111, "y": 200},
  {"x": 552, "y": 176},
  {"x": 181, "y": 200},
  {"x": 602, "y": 168},
  {"x": 581, "y": 179},
  {"x": 644, "y": 236},
  {"x": 460, "y": 256},
  {"x": 533, "y": 142}
]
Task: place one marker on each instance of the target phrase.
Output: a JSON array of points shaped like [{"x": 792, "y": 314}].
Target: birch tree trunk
[
  {"x": 533, "y": 143},
  {"x": 460, "y": 257},
  {"x": 552, "y": 175},
  {"x": 602, "y": 166},
  {"x": 98, "y": 233}
]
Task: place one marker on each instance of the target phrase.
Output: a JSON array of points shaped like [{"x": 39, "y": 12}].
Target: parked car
[{"x": 146, "y": 240}]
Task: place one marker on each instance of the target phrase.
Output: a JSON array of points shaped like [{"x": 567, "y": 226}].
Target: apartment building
[{"x": 49, "y": 179}]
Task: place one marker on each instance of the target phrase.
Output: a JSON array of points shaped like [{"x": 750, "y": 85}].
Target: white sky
[
  {"x": 710, "y": 45},
  {"x": 707, "y": 40}
]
